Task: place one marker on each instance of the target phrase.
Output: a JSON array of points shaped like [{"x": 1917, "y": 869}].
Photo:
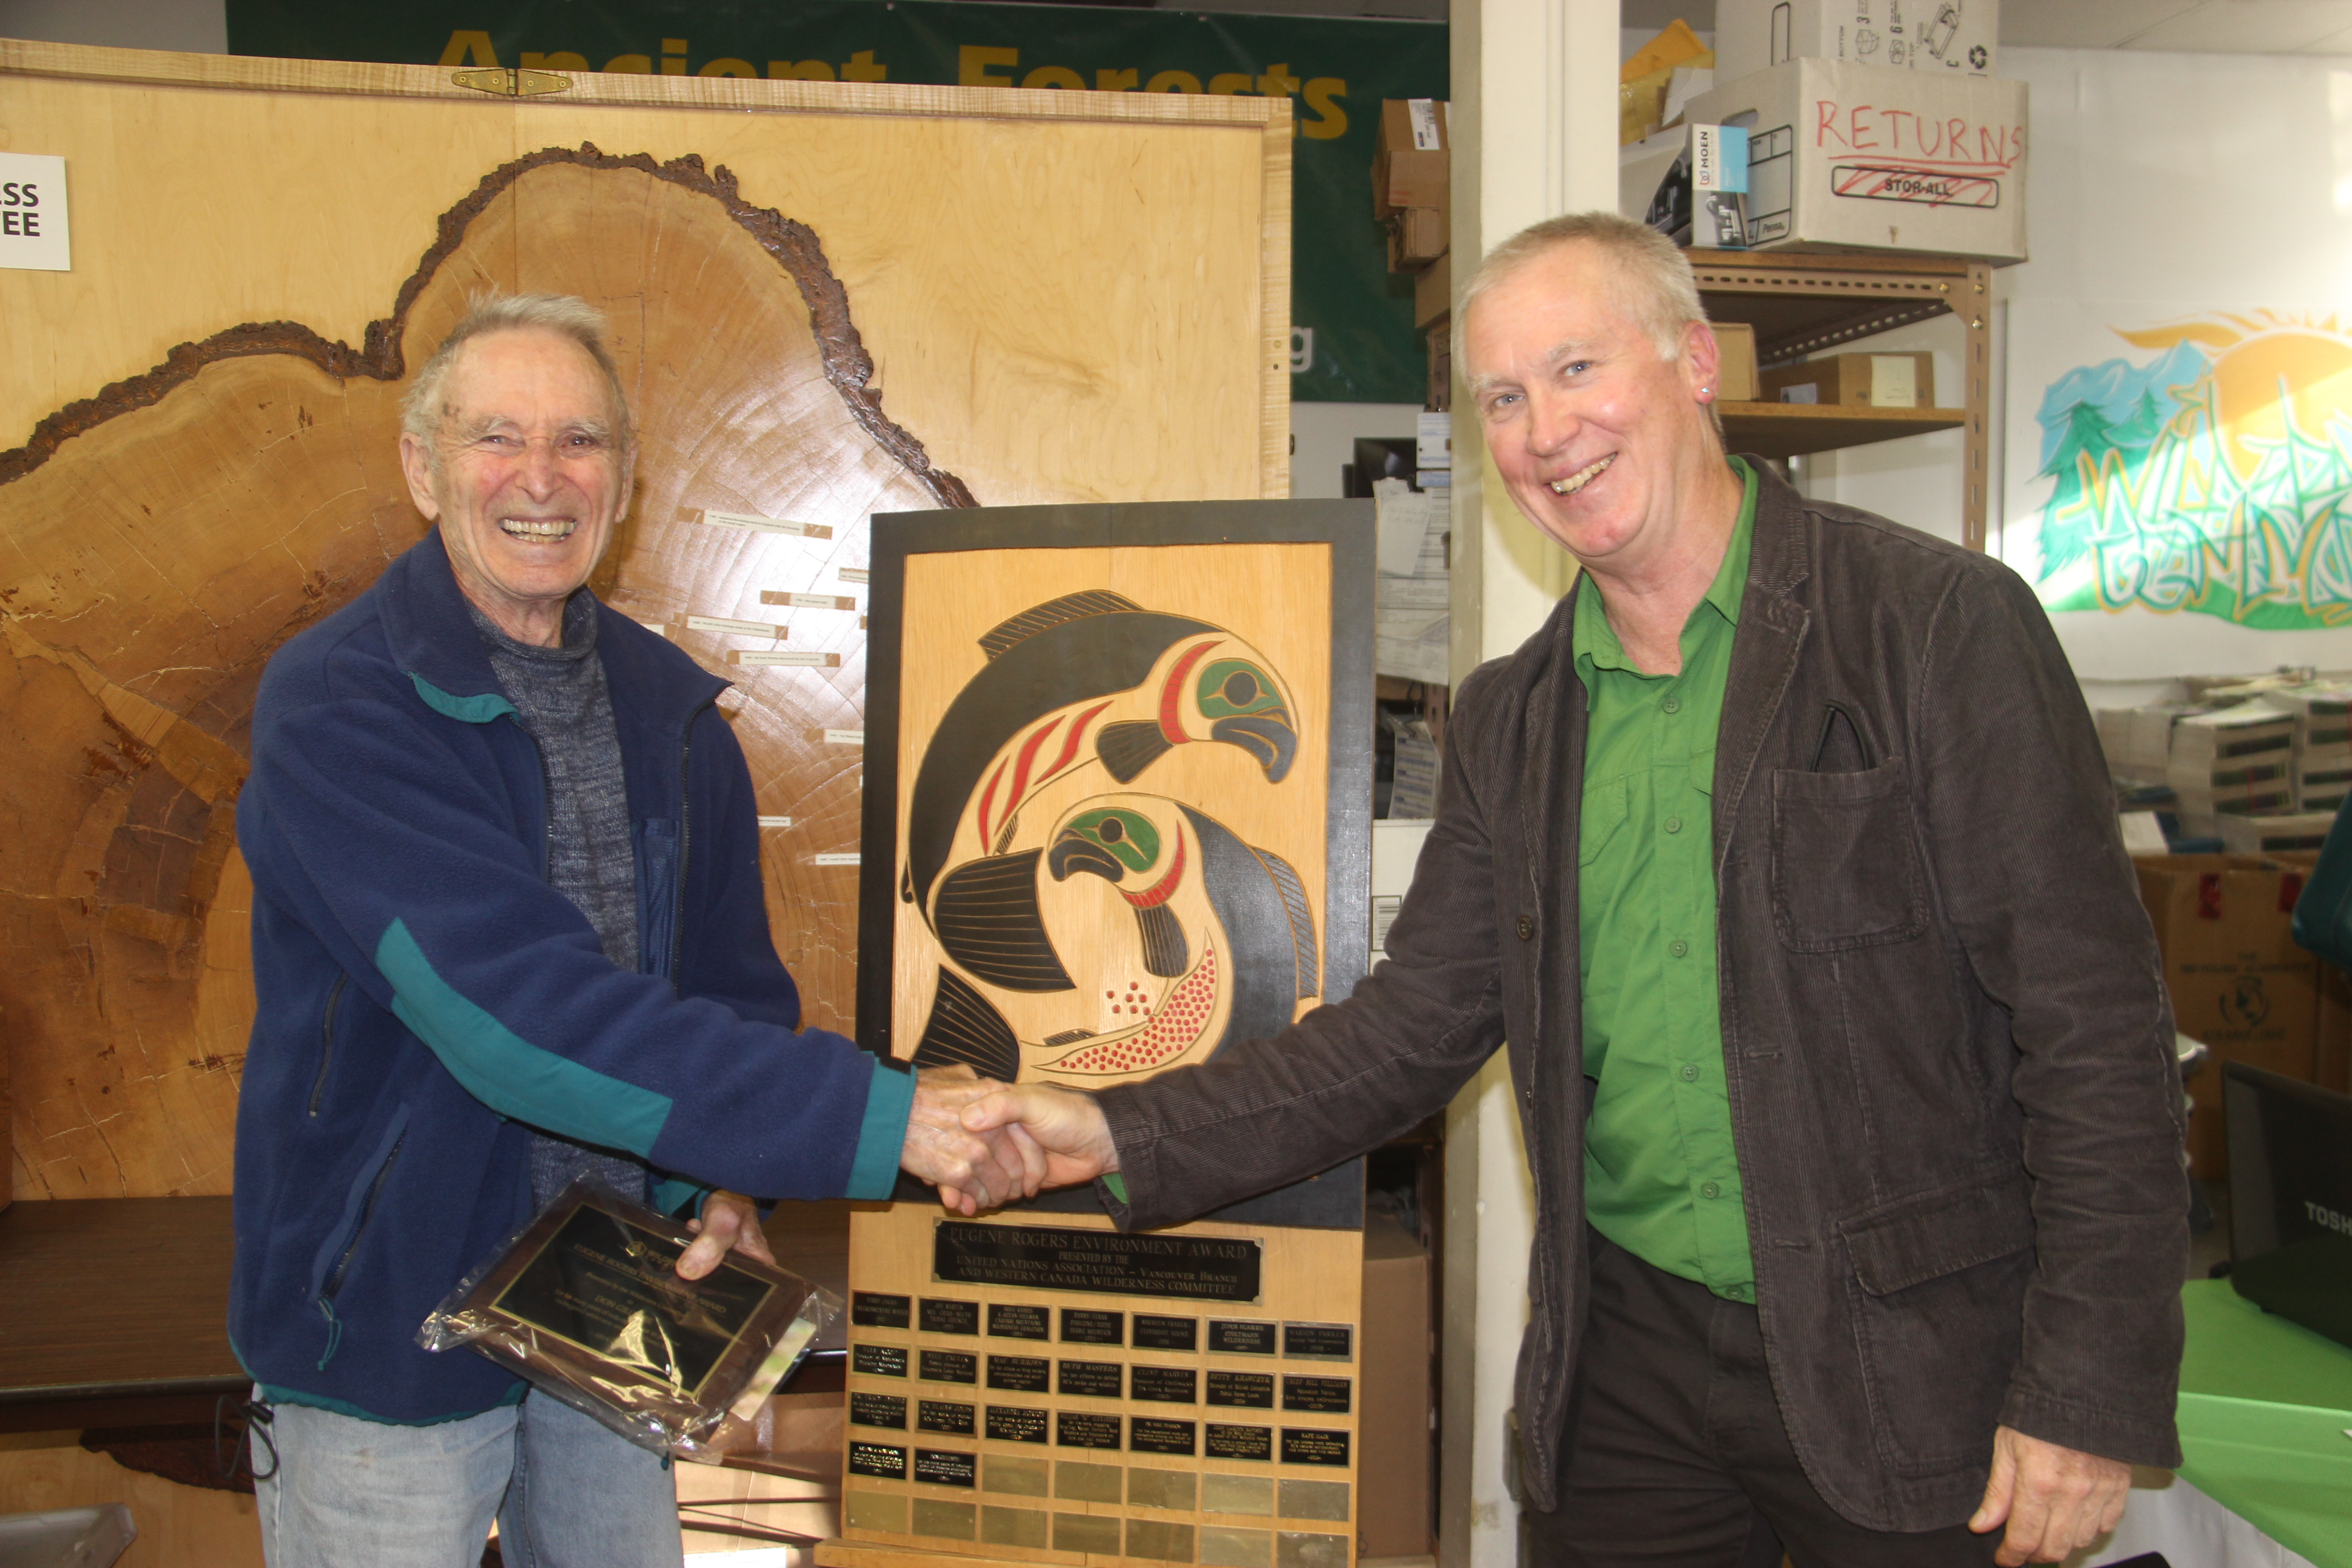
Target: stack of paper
[
  {"x": 2234, "y": 762},
  {"x": 2322, "y": 745},
  {"x": 1412, "y": 604},
  {"x": 2138, "y": 741}
]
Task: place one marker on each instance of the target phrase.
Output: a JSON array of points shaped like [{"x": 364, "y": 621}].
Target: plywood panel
[{"x": 207, "y": 458}]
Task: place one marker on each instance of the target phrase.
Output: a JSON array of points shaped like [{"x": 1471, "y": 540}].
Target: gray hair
[
  {"x": 423, "y": 406},
  {"x": 1661, "y": 294}
]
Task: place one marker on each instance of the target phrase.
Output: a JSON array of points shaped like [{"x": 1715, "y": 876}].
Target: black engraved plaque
[
  {"x": 1303, "y": 1445},
  {"x": 877, "y": 1460},
  {"x": 1224, "y": 1442},
  {"x": 1163, "y": 1384},
  {"x": 879, "y": 1410},
  {"x": 946, "y": 1467},
  {"x": 1319, "y": 1396},
  {"x": 950, "y": 1316},
  {"x": 1040, "y": 1258},
  {"x": 1083, "y": 1327},
  {"x": 944, "y": 1417},
  {"x": 1242, "y": 1390},
  {"x": 872, "y": 1309},
  {"x": 1014, "y": 1424},
  {"x": 1076, "y": 1429},
  {"x": 1094, "y": 1379},
  {"x": 1149, "y": 1434},
  {"x": 1318, "y": 1342},
  {"x": 1020, "y": 1374},
  {"x": 878, "y": 1361},
  {"x": 1153, "y": 1332},
  {"x": 1009, "y": 1323},
  {"x": 1234, "y": 1336},
  {"x": 949, "y": 1366}
]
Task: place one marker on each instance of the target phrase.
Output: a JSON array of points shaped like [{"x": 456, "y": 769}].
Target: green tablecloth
[{"x": 2265, "y": 1407}]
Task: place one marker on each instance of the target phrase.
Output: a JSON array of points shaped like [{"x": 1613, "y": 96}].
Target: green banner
[{"x": 1352, "y": 338}]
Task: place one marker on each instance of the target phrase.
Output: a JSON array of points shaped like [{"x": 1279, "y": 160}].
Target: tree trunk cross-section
[{"x": 160, "y": 539}]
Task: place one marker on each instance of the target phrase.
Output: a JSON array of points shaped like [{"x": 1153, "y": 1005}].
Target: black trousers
[{"x": 1675, "y": 1454}]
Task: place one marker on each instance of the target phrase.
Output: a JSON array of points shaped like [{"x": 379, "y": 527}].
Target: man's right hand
[
  {"x": 973, "y": 1168},
  {"x": 1062, "y": 1133}
]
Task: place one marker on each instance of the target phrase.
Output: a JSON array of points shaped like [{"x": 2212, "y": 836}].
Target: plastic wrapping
[{"x": 586, "y": 1302}]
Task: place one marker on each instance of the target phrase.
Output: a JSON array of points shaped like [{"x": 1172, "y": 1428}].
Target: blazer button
[{"x": 1527, "y": 929}]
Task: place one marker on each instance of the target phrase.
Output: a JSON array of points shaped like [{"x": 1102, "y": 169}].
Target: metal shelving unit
[{"x": 1801, "y": 304}]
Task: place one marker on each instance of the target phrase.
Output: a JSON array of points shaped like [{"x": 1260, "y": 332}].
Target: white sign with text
[{"x": 33, "y": 229}]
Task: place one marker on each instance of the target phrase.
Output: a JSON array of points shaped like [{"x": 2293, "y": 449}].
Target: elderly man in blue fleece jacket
[{"x": 508, "y": 933}]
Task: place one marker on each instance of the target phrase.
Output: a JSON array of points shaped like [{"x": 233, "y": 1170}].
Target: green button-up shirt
[{"x": 1660, "y": 1176}]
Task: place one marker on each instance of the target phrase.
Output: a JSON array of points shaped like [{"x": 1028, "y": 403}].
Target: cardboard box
[
  {"x": 1868, "y": 381},
  {"x": 2237, "y": 978},
  {"x": 1735, "y": 378},
  {"x": 1957, "y": 36},
  {"x": 1846, "y": 157},
  {"x": 1416, "y": 238},
  {"x": 1433, "y": 293},
  {"x": 1411, "y": 159},
  {"x": 1440, "y": 397},
  {"x": 1396, "y": 1428}
]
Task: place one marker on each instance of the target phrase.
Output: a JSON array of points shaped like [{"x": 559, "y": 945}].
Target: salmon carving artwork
[{"x": 1034, "y": 837}]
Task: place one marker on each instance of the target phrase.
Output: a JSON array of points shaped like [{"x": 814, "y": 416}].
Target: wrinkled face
[
  {"x": 527, "y": 477},
  {"x": 1599, "y": 440}
]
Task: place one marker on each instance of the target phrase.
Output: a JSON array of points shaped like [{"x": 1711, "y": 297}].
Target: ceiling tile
[
  {"x": 2083, "y": 23},
  {"x": 2249, "y": 26}
]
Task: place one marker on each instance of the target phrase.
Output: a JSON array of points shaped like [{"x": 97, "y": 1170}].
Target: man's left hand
[
  {"x": 2053, "y": 1498},
  {"x": 729, "y": 1220}
]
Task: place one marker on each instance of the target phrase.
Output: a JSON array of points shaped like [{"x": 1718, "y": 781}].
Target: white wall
[
  {"x": 1323, "y": 440},
  {"x": 2166, "y": 186}
]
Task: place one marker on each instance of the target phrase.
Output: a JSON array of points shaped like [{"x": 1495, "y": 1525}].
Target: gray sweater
[{"x": 560, "y": 696}]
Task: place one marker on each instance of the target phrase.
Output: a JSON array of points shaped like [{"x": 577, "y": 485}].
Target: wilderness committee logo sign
[{"x": 2215, "y": 478}]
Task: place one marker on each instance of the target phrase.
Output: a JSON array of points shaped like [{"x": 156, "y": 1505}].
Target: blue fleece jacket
[{"x": 425, "y": 997}]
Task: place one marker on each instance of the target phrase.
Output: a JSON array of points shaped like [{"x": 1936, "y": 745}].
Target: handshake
[{"x": 984, "y": 1144}]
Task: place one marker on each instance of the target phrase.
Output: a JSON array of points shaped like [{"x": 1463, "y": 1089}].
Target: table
[
  {"x": 2265, "y": 1407},
  {"x": 114, "y": 1312}
]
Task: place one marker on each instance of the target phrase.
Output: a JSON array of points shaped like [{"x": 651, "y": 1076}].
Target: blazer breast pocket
[{"x": 1846, "y": 865}]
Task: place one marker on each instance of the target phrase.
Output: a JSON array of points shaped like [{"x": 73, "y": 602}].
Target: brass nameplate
[{"x": 1041, "y": 1258}]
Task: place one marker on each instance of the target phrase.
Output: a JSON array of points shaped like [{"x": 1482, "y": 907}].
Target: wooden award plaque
[{"x": 1121, "y": 758}]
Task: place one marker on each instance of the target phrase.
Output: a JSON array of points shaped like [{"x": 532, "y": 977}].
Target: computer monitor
[{"x": 2289, "y": 1197}]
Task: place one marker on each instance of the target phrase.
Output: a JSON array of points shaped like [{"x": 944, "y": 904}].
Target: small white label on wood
[
  {"x": 845, "y": 737},
  {"x": 742, "y": 628},
  {"x": 1894, "y": 381},
  {"x": 1424, "y": 114},
  {"x": 779, "y": 660},
  {"x": 658, "y": 628},
  {"x": 766, "y": 524},
  {"x": 34, "y": 233},
  {"x": 854, "y": 574},
  {"x": 846, "y": 859},
  {"x": 808, "y": 600},
  {"x": 775, "y": 822}
]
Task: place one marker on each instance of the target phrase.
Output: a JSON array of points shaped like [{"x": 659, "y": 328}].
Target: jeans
[{"x": 567, "y": 1492}]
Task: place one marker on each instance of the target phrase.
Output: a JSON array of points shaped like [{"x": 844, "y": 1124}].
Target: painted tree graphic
[{"x": 2066, "y": 521}]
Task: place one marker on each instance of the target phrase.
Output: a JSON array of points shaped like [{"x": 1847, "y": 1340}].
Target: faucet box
[
  {"x": 1847, "y": 157},
  {"x": 1959, "y": 38}
]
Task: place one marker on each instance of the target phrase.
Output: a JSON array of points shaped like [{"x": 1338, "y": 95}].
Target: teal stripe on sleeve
[
  {"x": 882, "y": 1137},
  {"x": 507, "y": 1072},
  {"x": 670, "y": 1196}
]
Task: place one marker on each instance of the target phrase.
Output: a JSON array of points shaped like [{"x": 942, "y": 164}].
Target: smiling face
[
  {"x": 526, "y": 478},
  {"x": 1603, "y": 444}
]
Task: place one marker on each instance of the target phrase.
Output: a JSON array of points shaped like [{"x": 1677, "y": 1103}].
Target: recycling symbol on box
[
  {"x": 2247, "y": 1003},
  {"x": 1977, "y": 55}
]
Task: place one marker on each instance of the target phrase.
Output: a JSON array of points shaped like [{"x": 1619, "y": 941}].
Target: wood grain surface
[{"x": 845, "y": 300}]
